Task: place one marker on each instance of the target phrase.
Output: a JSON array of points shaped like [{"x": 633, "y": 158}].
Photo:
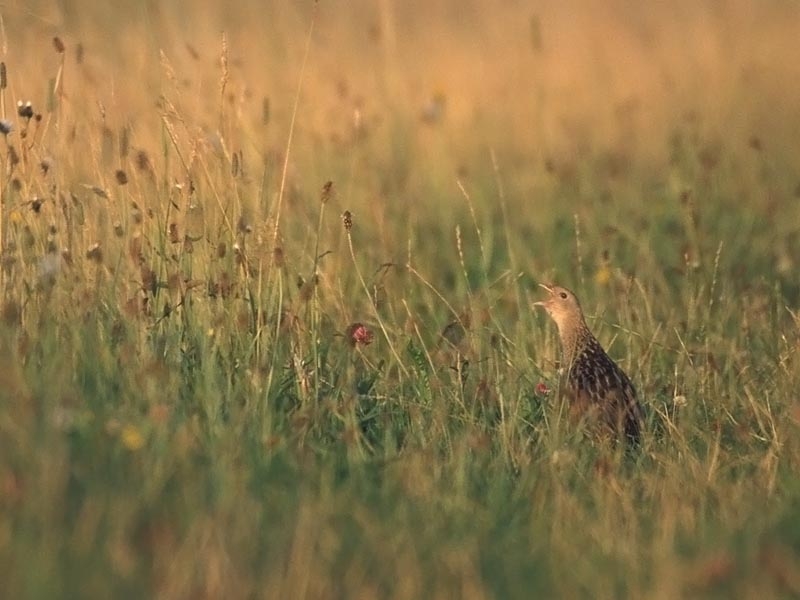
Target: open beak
[{"x": 549, "y": 291}]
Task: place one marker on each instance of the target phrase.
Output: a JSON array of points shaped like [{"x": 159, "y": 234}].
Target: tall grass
[{"x": 265, "y": 328}]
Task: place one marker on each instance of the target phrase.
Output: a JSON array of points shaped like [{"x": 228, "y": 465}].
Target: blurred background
[
  {"x": 534, "y": 78},
  {"x": 564, "y": 103}
]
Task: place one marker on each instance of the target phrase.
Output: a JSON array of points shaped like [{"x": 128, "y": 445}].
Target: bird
[{"x": 595, "y": 385}]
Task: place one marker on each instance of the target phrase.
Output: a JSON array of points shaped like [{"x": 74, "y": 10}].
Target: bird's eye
[{"x": 563, "y": 295}]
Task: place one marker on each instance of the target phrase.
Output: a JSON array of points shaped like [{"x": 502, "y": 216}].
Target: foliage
[{"x": 223, "y": 376}]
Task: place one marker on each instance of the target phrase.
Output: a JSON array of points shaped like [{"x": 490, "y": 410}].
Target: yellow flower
[
  {"x": 132, "y": 438},
  {"x": 603, "y": 275}
]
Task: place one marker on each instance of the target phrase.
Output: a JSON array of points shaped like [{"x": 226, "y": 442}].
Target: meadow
[{"x": 267, "y": 274}]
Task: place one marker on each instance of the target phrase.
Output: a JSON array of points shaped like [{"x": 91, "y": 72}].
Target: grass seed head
[
  {"x": 25, "y": 109},
  {"x": 243, "y": 226},
  {"x": 347, "y": 220},
  {"x": 149, "y": 279},
  {"x": 143, "y": 161},
  {"x": 95, "y": 253},
  {"x": 327, "y": 192}
]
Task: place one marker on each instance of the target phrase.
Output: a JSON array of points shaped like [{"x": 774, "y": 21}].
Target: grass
[{"x": 187, "y": 404}]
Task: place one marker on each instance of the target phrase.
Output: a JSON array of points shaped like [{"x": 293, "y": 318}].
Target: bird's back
[{"x": 597, "y": 384}]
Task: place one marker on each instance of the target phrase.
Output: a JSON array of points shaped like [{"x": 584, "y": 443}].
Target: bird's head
[{"x": 562, "y": 306}]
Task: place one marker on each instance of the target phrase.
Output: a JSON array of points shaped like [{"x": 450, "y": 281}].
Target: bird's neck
[{"x": 573, "y": 341}]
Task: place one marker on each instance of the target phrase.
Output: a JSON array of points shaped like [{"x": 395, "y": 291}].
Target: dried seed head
[
  {"x": 98, "y": 191},
  {"x": 3, "y": 76},
  {"x": 149, "y": 279},
  {"x": 58, "y": 45},
  {"x": 454, "y": 332},
  {"x": 143, "y": 161},
  {"x": 6, "y": 126},
  {"x": 94, "y": 253},
  {"x": 327, "y": 192},
  {"x": 122, "y": 177},
  {"x": 174, "y": 236},
  {"x": 240, "y": 256},
  {"x": 347, "y": 220},
  {"x": 242, "y": 226},
  {"x": 222, "y": 250},
  {"x": 25, "y": 109}
]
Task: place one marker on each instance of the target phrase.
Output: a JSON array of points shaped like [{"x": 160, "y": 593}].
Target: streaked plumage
[{"x": 595, "y": 384}]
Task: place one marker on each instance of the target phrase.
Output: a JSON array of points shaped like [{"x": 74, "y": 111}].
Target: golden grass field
[{"x": 267, "y": 272}]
